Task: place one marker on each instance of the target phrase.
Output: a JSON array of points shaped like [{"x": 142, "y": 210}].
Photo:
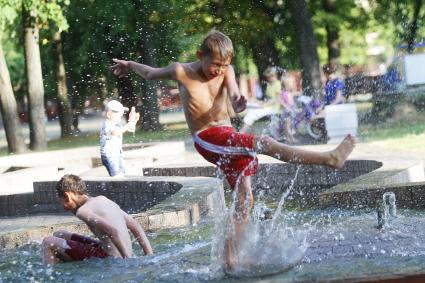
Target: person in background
[
  {"x": 111, "y": 137},
  {"x": 334, "y": 86},
  {"x": 271, "y": 105},
  {"x": 288, "y": 106}
]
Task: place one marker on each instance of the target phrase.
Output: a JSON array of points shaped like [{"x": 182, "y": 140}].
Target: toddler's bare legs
[
  {"x": 238, "y": 221},
  {"x": 334, "y": 158}
]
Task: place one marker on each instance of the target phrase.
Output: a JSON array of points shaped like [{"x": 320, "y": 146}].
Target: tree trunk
[
  {"x": 263, "y": 47},
  {"x": 126, "y": 92},
  {"x": 37, "y": 113},
  {"x": 332, "y": 33},
  {"x": 150, "y": 110},
  {"x": 413, "y": 27},
  {"x": 65, "y": 112},
  {"x": 265, "y": 55},
  {"x": 9, "y": 111},
  {"x": 308, "y": 47}
]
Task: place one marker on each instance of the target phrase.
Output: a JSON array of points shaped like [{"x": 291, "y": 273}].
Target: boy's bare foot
[{"x": 341, "y": 152}]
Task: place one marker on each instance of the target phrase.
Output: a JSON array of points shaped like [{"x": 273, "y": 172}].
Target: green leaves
[{"x": 8, "y": 13}]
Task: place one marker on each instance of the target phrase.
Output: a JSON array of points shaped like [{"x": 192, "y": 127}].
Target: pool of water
[{"x": 342, "y": 244}]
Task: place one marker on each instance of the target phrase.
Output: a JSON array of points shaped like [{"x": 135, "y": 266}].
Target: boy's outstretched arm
[
  {"x": 138, "y": 232},
  {"x": 100, "y": 223},
  {"x": 123, "y": 67},
  {"x": 238, "y": 100}
]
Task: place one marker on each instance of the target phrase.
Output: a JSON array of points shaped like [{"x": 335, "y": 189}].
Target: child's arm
[
  {"x": 132, "y": 121},
  {"x": 122, "y": 67},
  {"x": 100, "y": 223},
  {"x": 138, "y": 233},
  {"x": 125, "y": 128},
  {"x": 238, "y": 100},
  {"x": 339, "y": 98}
]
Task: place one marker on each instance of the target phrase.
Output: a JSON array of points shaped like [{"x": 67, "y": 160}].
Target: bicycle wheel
[{"x": 316, "y": 129}]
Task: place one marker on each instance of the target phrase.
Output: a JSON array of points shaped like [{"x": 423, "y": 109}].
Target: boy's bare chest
[{"x": 202, "y": 90}]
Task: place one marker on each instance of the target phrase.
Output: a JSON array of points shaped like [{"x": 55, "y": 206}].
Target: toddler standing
[{"x": 111, "y": 137}]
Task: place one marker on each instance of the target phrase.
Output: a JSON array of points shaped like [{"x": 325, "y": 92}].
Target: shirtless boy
[
  {"x": 204, "y": 86},
  {"x": 105, "y": 219}
]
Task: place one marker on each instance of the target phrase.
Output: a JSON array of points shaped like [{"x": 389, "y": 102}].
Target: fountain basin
[
  {"x": 367, "y": 190},
  {"x": 273, "y": 179},
  {"x": 156, "y": 203},
  {"x": 343, "y": 245}
]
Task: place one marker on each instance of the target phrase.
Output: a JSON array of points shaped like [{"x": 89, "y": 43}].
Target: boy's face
[
  {"x": 68, "y": 202},
  {"x": 213, "y": 66},
  {"x": 114, "y": 115}
]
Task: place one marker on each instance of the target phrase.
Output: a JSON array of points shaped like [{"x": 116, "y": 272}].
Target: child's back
[
  {"x": 107, "y": 210},
  {"x": 104, "y": 218}
]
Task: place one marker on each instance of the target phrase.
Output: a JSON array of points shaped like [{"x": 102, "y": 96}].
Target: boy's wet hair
[
  {"x": 217, "y": 44},
  {"x": 71, "y": 183}
]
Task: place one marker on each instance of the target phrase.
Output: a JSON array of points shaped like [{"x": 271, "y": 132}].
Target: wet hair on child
[
  {"x": 71, "y": 183},
  {"x": 217, "y": 44}
]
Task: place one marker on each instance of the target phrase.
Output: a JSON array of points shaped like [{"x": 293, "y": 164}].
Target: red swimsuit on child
[{"x": 231, "y": 151}]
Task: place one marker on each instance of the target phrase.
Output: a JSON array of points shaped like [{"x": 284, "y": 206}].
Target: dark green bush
[
  {"x": 418, "y": 100},
  {"x": 384, "y": 104}
]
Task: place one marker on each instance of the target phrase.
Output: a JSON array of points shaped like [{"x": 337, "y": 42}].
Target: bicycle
[{"x": 303, "y": 122}]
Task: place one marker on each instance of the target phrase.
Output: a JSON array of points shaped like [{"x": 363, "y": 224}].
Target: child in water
[{"x": 104, "y": 218}]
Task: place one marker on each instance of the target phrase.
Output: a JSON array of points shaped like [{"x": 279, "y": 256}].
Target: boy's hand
[
  {"x": 239, "y": 103},
  {"x": 121, "y": 68}
]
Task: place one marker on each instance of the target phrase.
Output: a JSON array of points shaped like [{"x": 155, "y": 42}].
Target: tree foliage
[{"x": 94, "y": 31}]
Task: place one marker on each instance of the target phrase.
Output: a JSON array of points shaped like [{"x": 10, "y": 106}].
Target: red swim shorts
[
  {"x": 231, "y": 151},
  {"x": 82, "y": 248}
]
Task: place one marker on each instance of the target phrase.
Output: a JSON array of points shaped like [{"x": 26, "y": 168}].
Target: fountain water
[
  {"x": 268, "y": 246},
  {"x": 327, "y": 244},
  {"x": 386, "y": 209}
]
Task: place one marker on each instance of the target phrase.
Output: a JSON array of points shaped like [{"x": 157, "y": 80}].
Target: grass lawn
[
  {"x": 405, "y": 131},
  {"x": 167, "y": 134},
  {"x": 170, "y": 132}
]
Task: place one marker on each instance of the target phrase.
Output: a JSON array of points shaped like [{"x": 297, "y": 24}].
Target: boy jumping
[
  {"x": 204, "y": 86},
  {"x": 105, "y": 219}
]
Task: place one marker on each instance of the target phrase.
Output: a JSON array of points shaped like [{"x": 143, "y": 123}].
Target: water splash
[
  {"x": 283, "y": 198},
  {"x": 267, "y": 246}
]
